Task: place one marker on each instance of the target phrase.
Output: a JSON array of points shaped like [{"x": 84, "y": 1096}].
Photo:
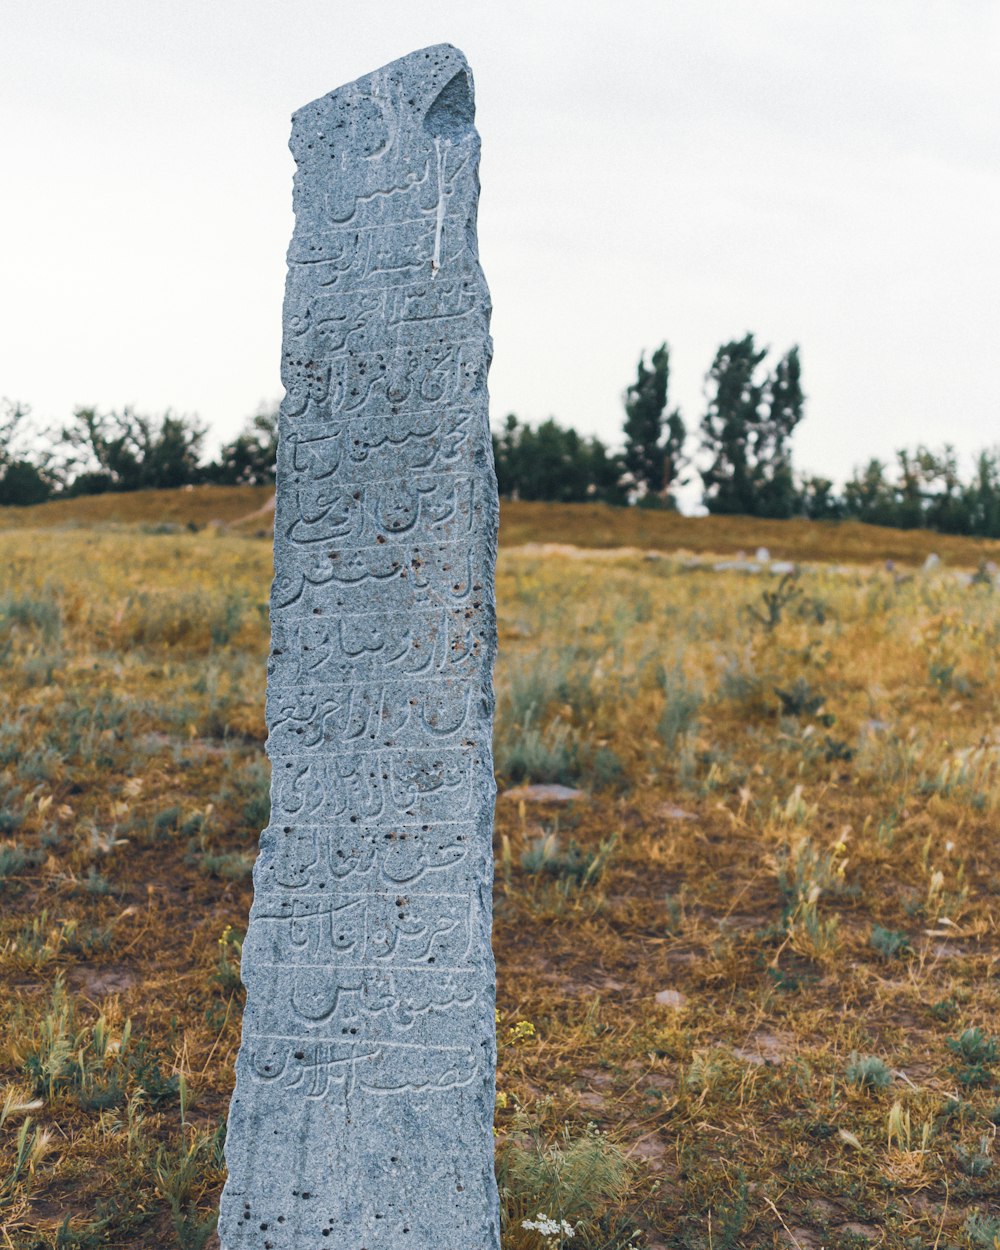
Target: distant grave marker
[{"x": 363, "y": 1111}]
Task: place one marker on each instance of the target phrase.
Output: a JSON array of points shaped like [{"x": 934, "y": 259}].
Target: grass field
[{"x": 747, "y": 981}]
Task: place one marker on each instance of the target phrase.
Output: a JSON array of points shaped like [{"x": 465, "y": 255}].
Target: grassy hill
[
  {"x": 198, "y": 505},
  {"x": 582, "y": 525}
]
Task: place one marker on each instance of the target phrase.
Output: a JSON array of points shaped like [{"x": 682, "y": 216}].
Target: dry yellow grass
[
  {"x": 199, "y": 505},
  {"x": 585, "y": 525},
  {"x": 597, "y": 525},
  {"x": 748, "y": 955}
]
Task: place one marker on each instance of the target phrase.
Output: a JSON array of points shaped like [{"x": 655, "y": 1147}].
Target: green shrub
[
  {"x": 888, "y": 943},
  {"x": 25, "y": 612},
  {"x": 681, "y": 703},
  {"x": 524, "y": 753},
  {"x": 868, "y": 1072},
  {"x": 15, "y": 858},
  {"x": 545, "y": 857},
  {"x": 977, "y": 1052}
]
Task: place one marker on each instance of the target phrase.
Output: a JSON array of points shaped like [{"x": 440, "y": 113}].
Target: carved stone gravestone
[{"x": 363, "y": 1111}]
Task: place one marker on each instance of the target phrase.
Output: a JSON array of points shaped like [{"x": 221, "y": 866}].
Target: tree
[
  {"x": 817, "y": 499},
  {"x": 251, "y": 458},
  {"x": 554, "y": 463},
  {"x": 129, "y": 451},
  {"x": 747, "y": 430},
  {"x": 944, "y": 506},
  {"x": 605, "y": 474},
  {"x": 729, "y": 425},
  {"x": 505, "y": 457},
  {"x": 928, "y": 492},
  {"x": 908, "y": 490},
  {"x": 26, "y": 473},
  {"x": 23, "y": 483},
  {"x": 785, "y": 402},
  {"x": 654, "y": 439},
  {"x": 869, "y": 497},
  {"x": 981, "y": 496}
]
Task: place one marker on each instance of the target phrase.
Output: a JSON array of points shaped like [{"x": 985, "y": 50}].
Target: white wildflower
[{"x": 549, "y": 1228}]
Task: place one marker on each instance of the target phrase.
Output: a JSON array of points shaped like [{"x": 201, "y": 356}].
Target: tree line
[
  {"x": 740, "y": 450},
  {"x": 99, "y": 452}
]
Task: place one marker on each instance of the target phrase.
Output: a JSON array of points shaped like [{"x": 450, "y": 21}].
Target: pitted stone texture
[{"x": 363, "y": 1111}]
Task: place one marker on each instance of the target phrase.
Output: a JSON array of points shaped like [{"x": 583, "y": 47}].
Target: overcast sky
[{"x": 821, "y": 173}]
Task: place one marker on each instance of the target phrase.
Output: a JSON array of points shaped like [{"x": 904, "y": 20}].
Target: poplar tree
[
  {"x": 747, "y": 430},
  {"x": 654, "y": 438}
]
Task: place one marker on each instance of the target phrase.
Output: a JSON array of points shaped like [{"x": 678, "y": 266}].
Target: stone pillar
[{"x": 363, "y": 1111}]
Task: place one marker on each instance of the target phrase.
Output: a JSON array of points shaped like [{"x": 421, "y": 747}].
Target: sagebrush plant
[
  {"x": 799, "y": 900},
  {"x": 682, "y": 701},
  {"x": 573, "y": 866},
  {"x": 983, "y": 1231},
  {"x": 976, "y": 1053},
  {"x": 889, "y": 943},
  {"x": 869, "y": 1072}
]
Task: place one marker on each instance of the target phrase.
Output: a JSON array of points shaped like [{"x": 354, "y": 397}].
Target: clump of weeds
[
  {"x": 889, "y": 944},
  {"x": 574, "y": 1189},
  {"x": 976, "y": 1054},
  {"x": 868, "y": 1072},
  {"x": 571, "y": 865}
]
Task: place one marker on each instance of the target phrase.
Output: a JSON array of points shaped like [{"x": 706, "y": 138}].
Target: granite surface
[{"x": 363, "y": 1110}]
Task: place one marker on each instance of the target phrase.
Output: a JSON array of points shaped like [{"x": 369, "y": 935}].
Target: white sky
[{"x": 823, "y": 173}]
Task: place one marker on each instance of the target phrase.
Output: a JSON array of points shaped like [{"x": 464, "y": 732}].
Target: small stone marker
[
  {"x": 673, "y": 999},
  {"x": 544, "y": 794},
  {"x": 363, "y": 1111},
  {"x": 670, "y": 811}
]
